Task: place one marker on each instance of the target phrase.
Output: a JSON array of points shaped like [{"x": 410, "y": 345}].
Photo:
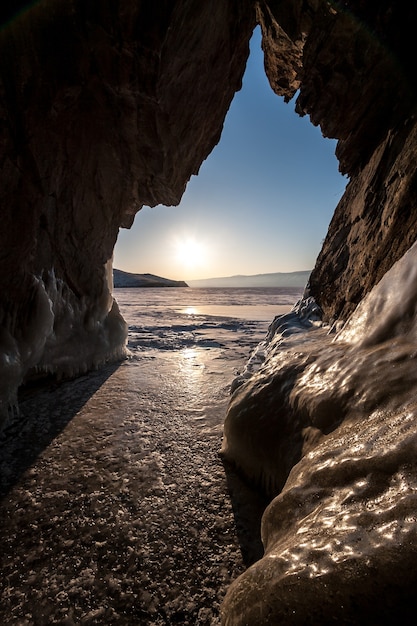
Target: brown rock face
[
  {"x": 108, "y": 105},
  {"x": 352, "y": 65},
  {"x": 102, "y": 112},
  {"x": 374, "y": 225}
]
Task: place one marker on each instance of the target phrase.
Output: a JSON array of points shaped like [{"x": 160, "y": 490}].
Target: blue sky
[{"x": 262, "y": 201}]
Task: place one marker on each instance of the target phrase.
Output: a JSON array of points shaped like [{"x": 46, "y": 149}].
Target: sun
[{"x": 190, "y": 252}]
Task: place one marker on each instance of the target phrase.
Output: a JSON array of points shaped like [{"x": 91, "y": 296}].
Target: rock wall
[
  {"x": 109, "y": 105},
  {"x": 351, "y": 63},
  {"x": 328, "y": 424},
  {"x": 102, "y": 112}
]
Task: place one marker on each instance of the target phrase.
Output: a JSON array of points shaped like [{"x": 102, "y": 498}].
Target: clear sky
[{"x": 261, "y": 203}]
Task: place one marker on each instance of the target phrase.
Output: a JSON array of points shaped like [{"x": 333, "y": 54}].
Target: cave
[
  {"x": 106, "y": 91},
  {"x": 110, "y": 106}
]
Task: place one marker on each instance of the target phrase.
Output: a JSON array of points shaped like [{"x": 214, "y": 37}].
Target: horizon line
[{"x": 219, "y": 277}]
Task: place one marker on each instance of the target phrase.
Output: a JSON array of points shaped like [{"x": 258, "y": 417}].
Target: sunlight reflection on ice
[
  {"x": 191, "y": 367},
  {"x": 188, "y": 353}
]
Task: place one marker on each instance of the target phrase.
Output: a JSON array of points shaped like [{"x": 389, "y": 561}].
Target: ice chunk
[{"x": 304, "y": 315}]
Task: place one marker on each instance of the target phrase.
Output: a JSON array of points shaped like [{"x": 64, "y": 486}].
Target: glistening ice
[{"x": 327, "y": 426}]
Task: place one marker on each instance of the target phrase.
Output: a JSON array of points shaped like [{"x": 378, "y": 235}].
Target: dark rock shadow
[
  {"x": 248, "y": 506},
  {"x": 46, "y": 407}
]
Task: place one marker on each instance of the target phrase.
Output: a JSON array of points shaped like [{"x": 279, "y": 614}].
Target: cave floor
[{"x": 116, "y": 506}]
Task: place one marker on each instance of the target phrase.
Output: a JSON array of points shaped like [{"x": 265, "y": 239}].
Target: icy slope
[{"x": 331, "y": 420}]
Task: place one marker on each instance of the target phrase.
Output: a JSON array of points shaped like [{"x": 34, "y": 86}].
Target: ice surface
[
  {"x": 328, "y": 423},
  {"x": 390, "y": 310},
  {"x": 116, "y": 507}
]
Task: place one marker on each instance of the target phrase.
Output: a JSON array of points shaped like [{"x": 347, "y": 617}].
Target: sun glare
[{"x": 190, "y": 253}]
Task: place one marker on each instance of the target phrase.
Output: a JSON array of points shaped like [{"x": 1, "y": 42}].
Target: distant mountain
[
  {"x": 126, "y": 279},
  {"x": 276, "y": 279}
]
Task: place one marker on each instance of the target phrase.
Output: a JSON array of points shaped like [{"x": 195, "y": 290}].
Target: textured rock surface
[
  {"x": 101, "y": 113},
  {"x": 352, "y": 64},
  {"x": 328, "y": 424},
  {"x": 107, "y": 106},
  {"x": 374, "y": 224}
]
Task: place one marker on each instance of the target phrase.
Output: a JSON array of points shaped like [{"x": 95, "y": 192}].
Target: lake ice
[{"x": 117, "y": 508}]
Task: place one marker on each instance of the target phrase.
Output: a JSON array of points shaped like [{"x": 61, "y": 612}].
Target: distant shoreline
[
  {"x": 127, "y": 280},
  {"x": 296, "y": 280},
  {"x": 275, "y": 279}
]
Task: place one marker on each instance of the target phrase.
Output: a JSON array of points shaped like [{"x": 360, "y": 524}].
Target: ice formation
[
  {"x": 328, "y": 426},
  {"x": 63, "y": 334}
]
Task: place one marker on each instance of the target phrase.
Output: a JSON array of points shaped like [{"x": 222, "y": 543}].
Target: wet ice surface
[
  {"x": 124, "y": 513},
  {"x": 328, "y": 425}
]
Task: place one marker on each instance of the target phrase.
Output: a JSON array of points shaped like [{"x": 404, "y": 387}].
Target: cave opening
[
  {"x": 261, "y": 202},
  {"x": 126, "y": 489}
]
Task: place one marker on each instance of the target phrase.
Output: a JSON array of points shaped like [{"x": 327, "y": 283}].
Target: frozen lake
[{"x": 116, "y": 507}]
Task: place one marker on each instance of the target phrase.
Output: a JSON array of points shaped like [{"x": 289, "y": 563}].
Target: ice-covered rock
[
  {"x": 62, "y": 334},
  {"x": 328, "y": 425},
  {"x": 304, "y": 315}
]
